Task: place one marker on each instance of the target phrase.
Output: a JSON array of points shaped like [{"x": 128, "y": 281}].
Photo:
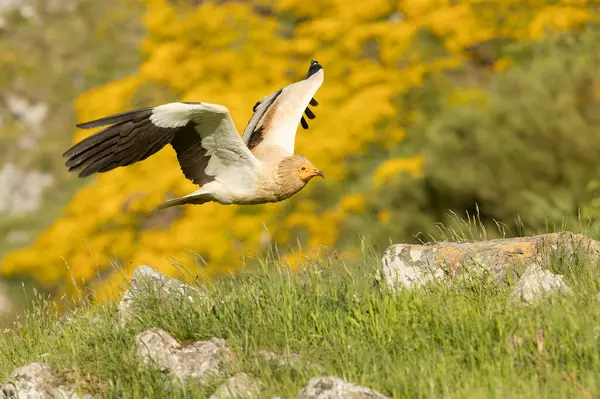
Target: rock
[
  {"x": 240, "y": 386},
  {"x": 156, "y": 348},
  {"x": 22, "y": 191},
  {"x": 146, "y": 282},
  {"x": 29, "y": 8},
  {"x": 336, "y": 388},
  {"x": 200, "y": 361},
  {"x": 407, "y": 265},
  {"x": 36, "y": 381},
  {"x": 536, "y": 284},
  {"x": 31, "y": 113},
  {"x": 17, "y": 237}
]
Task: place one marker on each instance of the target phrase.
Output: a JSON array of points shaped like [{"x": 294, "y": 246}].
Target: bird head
[
  {"x": 293, "y": 173},
  {"x": 298, "y": 170},
  {"x": 306, "y": 170}
]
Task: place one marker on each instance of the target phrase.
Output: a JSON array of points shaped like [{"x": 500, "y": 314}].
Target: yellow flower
[
  {"x": 557, "y": 18},
  {"x": 391, "y": 168},
  {"x": 384, "y": 216},
  {"x": 354, "y": 203}
]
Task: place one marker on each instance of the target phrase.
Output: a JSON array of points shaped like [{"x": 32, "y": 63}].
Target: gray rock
[
  {"x": 36, "y": 381},
  {"x": 31, "y": 113},
  {"x": 336, "y": 388},
  {"x": 537, "y": 284},
  {"x": 28, "y": 8},
  {"x": 156, "y": 348},
  {"x": 240, "y": 386},
  {"x": 200, "y": 361},
  {"x": 22, "y": 191},
  {"x": 146, "y": 282},
  {"x": 17, "y": 236},
  {"x": 409, "y": 266}
]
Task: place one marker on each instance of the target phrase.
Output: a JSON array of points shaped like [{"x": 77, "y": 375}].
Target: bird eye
[{"x": 303, "y": 168}]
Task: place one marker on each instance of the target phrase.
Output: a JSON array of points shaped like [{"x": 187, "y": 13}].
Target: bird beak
[{"x": 319, "y": 173}]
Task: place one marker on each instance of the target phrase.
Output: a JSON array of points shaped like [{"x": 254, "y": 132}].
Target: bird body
[{"x": 255, "y": 168}]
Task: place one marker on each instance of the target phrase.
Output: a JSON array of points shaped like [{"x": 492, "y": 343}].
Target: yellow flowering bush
[{"x": 234, "y": 53}]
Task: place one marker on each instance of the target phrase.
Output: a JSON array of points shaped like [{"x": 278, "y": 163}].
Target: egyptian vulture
[{"x": 258, "y": 167}]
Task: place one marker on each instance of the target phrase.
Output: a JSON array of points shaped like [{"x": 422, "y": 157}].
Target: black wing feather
[
  {"x": 135, "y": 116},
  {"x": 304, "y": 123},
  {"x": 309, "y": 113},
  {"x": 131, "y": 138}
]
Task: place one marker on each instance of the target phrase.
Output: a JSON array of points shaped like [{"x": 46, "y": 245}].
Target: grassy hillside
[{"x": 458, "y": 341}]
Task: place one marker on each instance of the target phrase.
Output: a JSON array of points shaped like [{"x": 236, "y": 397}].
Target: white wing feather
[
  {"x": 281, "y": 120},
  {"x": 230, "y": 159}
]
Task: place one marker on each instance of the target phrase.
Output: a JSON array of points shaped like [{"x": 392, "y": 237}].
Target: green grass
[{"x": 458, "y": 341}]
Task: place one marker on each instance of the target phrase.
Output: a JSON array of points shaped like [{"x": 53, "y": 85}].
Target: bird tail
[{"x": 192, "y": 198}]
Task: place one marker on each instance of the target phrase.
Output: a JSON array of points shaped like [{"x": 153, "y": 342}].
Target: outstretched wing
[
  {"x": 276, "y": 116},
  {"x": 203, "y": 136}
]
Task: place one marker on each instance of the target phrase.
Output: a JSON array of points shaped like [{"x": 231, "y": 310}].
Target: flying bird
[{"x": 254, "y": 168}]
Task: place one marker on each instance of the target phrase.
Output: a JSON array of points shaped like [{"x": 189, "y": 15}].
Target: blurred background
[{"x": 432, "y": 111}]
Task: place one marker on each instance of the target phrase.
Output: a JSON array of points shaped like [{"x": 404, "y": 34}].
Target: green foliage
[
  {"x": 519, "y": 147},
  {"x": 459, "y": 341}
]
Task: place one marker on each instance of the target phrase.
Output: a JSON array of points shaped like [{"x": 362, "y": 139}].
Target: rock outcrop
[
  {"x": 409, "y": 266},
  {"x": 200, "y": 361},
  {"x": 22, "y": 190},
  {"x": 36, "y": 381},
  {"x": 536, "y": 284},
  {"x": 240, "y": 386},
  {"x": 146, "y": 282},
  {"x": 336, "y": 388}
]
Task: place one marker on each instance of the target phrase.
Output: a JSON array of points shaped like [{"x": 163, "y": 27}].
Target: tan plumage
[{"x": 255, "y": 168}]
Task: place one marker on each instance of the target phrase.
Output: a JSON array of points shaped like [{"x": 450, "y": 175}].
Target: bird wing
[
  {"x": 276, "y": 116},
  {"x": 203, "y": 136}
]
